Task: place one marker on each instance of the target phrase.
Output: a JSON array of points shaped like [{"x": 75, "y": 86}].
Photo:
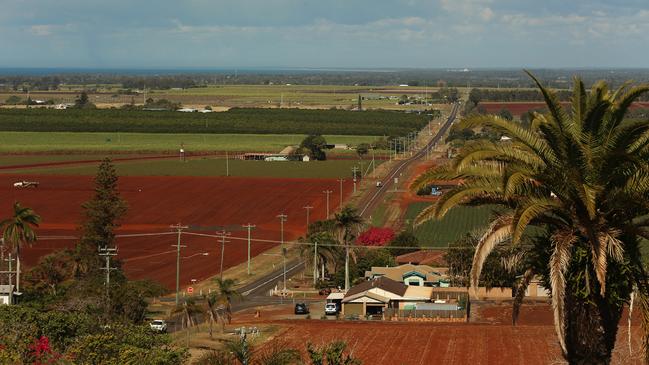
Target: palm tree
[
  {"x": 17, "y": 230},
  {"x": 223, "y": 297},
  {"x": 187, "y": 312},
  {"x": 581, "y": 178},
  {"x": 347, "y": 224},
  {"x": 325, "y": 251}
]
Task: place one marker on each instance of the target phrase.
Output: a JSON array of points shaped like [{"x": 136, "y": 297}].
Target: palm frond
[
  {"x": 499, "y": 230},
  {"x": 559, "y": 261},
  {"x": 523, "y": 283},
  {"x": 529, "y": 210}
]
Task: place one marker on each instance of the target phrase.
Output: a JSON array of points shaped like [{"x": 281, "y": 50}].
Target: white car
[
  {"x": 158, "y": 325},
  {"x": 331, "y": 308},
  {"x": 26, "y": 184}
]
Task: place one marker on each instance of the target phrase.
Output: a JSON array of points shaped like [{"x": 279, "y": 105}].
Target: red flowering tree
[
  {"x": 42, "y": 354},
  {"x": 376, "y": 236}
]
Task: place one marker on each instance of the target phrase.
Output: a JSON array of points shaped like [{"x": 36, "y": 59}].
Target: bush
[{"x": 376, "y": 236}]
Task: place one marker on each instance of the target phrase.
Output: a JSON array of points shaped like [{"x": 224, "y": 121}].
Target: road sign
[{"x": 190, "y": 290}]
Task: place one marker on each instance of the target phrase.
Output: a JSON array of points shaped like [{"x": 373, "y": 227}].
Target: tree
[
  {"x": 376, "y": 236},
  {"x": 325, "y": 250},
  {"x": 348, "y": 222},
  {"x": 83, "y": 102},
  {"x": 18, "y": 231},
  {"x": 404, "y": 239},
  {"x": 52, "y": 270},
  {"x": 219, "y": 302},
  {"x": 506, "y": 114},
  {"x": 101, "y": 217},
  {"x": 362, "y": 149},
  {"x": 580, "y": 179},
  {"x": 13, "y": 100},
  {"x": 314, "y": 146}
]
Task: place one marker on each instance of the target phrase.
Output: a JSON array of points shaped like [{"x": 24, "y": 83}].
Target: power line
[
  {"x": 222, "y": 235},
  {"x": 250, "y": 227},
  {"x": 107, "y": 253},
  {"x": 179, "y": 228}
]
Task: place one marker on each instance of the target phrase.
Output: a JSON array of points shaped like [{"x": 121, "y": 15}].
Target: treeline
[
  {"x": 511, "y": 95},
  {"x": 237, "y": 120}
]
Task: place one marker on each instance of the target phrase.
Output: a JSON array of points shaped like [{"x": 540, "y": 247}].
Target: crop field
[
  {"x": 384, "y": 343},
  {"x": 204, "y": 204},
  {"x": 211, "y": 167},
  {"x": 520, "y": 108},
  {"x": 249, "y": 121},
  {"x": 71, "y": 142},
  {"x": 457, "y": 222},
  {"x": 227, "y": 96}
]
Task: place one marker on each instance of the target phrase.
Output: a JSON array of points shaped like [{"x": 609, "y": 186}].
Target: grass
[
  {"x": 457, "y": 222},
  {"x": 213, "y": 167},
  {"x": 25, "y": 142}
]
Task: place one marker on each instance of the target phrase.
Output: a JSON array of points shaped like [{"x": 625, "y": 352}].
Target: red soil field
[
  {"x": 519, "y": 108},
  {"x": 203, "y": 203}
]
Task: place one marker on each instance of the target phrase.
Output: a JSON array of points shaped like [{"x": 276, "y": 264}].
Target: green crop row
[{"x": 238, "y": 120}]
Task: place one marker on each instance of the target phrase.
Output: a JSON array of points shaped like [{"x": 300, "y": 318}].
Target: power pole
[
  {"x": 179, "y": 228},
  {"x": 354, "y": 171},
  {"x": 10, "y": 272},
  {"x": 327, "y": 192},
  {"x": 315, "y": 263},
  {"x": 308, "y": 208},
  {"x": 223, "y": 235},
  {"x": 107, "y": 253},
  {"x": 227, "y": 164},
  {"x": 249, "y": 227},
  {"x": 282, "y": 218},
  {"x": 341, "y": 181}
]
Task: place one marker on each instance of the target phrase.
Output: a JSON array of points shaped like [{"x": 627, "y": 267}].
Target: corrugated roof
[{"x": 422, "y": 257}]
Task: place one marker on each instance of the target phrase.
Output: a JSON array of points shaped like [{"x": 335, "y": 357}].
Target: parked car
[
  {"x": 331, "y": 309},
  {"x": 158, "y": 325},
  {"x": 301, "y": 308}
]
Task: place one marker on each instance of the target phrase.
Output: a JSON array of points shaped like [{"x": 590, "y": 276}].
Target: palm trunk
[
  {"x": 591, "y": 328},
  {"x": 346, "y": 268}
]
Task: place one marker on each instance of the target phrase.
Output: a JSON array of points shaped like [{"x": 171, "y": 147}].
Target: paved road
[{"x": 368, "y": 204}]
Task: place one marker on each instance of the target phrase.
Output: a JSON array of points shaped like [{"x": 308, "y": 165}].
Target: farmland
[
  {"x": 211, "y": 167},
  {"x": 155, "y": 203},
  {"x": 74, "y": 142},
  {"x": 247, "y": 121},
  {"x": 520, "y": 108},
  {"x": 456, "y": 223}
]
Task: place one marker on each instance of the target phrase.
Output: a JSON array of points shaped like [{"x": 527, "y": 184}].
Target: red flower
[{"x": 376, "y": 236}]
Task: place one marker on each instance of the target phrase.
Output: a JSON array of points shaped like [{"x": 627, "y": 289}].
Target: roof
[
  {"x": 422, "y": 257},
  {"x": 418, "y": 293},
  {"x": 399, "y": 273},
  {"x": 335, "y": 296},
  {"x": 389, "y": 285}
]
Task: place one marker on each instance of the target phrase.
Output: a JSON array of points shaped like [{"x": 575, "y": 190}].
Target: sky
[{"x": 324, "y": 33}]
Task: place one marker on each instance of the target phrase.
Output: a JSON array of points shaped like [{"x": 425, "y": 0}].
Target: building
[
  {"x": 385, "y": 298},
  {"x": 422, "y": 257},
  {"x": 412, "y": 275},
  {"x": 6, "y": 294}
]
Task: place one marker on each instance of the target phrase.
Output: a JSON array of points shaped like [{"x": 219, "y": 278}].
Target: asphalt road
[{"x": 368, "y": 204}]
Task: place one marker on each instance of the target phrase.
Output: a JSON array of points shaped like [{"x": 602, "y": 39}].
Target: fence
[{"x": 424, "y": 313}]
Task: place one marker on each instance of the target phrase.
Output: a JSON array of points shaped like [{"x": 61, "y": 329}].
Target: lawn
[
  {"x": 457, "y": 222},
  {"x": 213, "y": 167},
  {"x": 17, "y": 142}
]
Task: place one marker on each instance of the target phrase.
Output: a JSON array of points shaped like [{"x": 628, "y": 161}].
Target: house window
[{"x": 413, "y": 283}]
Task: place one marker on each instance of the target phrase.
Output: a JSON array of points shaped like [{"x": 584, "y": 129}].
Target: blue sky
[{"x": 324, "y": 33}]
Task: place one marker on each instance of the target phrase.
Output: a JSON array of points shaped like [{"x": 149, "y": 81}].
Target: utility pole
[
  {"x": 341, "y": 181},
  {"x": 223, "y": 235},
  {"x": 10, "y": 272},
  {"x": 308, "y": 208},
  {"x": 178, "y": 227},
  {"x": 354, "y": 172},
  {"x": 315, "y": 263},
  {"x": 227, "y": 164},
  {"x": 107, "y": 253},
  {"x": 327, "y": 192},
  {"x": 249, "y": 227},
  {"x": 282, "y": 218}
]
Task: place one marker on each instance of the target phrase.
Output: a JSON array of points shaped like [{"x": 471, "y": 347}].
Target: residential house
[{"x": 411, "y": 275}]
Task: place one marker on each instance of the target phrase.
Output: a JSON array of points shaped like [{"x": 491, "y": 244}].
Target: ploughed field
[{"x": 205, "y": 204}]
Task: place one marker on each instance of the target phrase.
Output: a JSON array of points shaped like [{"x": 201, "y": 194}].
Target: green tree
[
  {"x": 362, "y": 149},
  {"x": 347, "y": 224},
  {"x": 83, "y": 101},
  {"x": 13, "y": 100},
  {"x": 506, "y": 114},
  {"x": 335, "y": 353},
  {"x": 219, "y": 302},
  {"x": 18, "y": 231},
  {"x": 328, "y": 253},
  {"x": 314, "y": 146},
  {"x": 580, "y": 178},
  {"x": 101, "y": 217},
  {"x": 403, "y": 239}
]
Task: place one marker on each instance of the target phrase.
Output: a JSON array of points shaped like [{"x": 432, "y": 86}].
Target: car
[
  {"x": 301, "y": 308},
  {"x": 26, "y": 184},
  {"x": 331, "y": 309},
  {"x": 379, "y": 184},
  {"x": 158, "y": 325}
]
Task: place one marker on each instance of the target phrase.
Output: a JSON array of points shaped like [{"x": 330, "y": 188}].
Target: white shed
[{"x": 6, "y": 294}]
